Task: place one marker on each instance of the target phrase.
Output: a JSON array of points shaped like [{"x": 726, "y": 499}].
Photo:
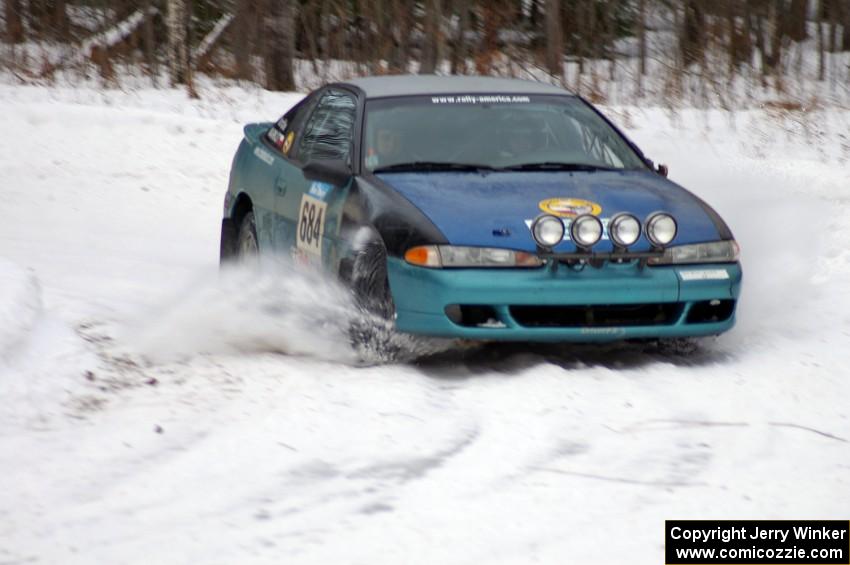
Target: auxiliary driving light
[
  {"x": 547, "y": 231},
  {"x": 660, "y": 229},
  {"x": 586, "y": 231},
  {"x": 624, "y": 230}
]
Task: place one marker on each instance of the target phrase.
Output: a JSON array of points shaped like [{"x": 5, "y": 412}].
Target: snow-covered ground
[{"x": 155, "y": 412}]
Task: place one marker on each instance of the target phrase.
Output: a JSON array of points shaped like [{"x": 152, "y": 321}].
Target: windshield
[{"x": 491, "y": 132}]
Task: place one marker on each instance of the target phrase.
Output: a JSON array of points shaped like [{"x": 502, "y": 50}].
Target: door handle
[{"x": 280, "y": 186}]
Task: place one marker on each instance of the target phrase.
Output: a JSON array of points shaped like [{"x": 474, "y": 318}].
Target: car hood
[{"x": 495, "y": 209}]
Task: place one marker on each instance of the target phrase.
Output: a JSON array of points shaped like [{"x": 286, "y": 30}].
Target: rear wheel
[{"x": 247, "y": 248}]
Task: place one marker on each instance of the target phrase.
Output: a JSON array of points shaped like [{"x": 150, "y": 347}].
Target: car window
[
  {"x": 330, "y": 129},
  {"x": 497, "y": 131},
  {"x": 285, "y": 132}
]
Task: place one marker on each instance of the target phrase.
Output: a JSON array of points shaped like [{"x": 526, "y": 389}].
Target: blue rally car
[{"x": 482, "y": 208}]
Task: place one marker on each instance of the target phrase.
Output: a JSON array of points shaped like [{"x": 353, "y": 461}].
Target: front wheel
[{"x": 370, "y": 283}]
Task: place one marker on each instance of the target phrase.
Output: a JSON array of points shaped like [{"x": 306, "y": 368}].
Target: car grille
[{"x": 613, "y": 315}]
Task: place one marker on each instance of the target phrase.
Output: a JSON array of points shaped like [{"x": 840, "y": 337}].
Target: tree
[
  {"x": 177, "y": 20},
  {"x": 692, "y": 33},
  {"x": 245, "y": 15},
  {"x": 642, "y": 39},
  {"x": 554, "y": 39},
  {"x": 280, "y": 45},
  {"x": 795, "y": 22},
  {"x": 14, "y": 22},
  {"x": 459, "y": 52},
  {"x": 431, "y": 42}
]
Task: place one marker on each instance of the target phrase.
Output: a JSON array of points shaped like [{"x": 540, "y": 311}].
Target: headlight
[
  {"x": 547, "y": 231},
  {"x": 714, "y": 252},
  {"x": 439, "y": 256},
  {"x": 586, "y": 231},
  {"x": 661, "y": 229},
  {"x": 624, "y": 230}
]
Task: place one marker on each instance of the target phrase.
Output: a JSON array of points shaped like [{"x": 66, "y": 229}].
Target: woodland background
[{"x": 710, "y": 52}]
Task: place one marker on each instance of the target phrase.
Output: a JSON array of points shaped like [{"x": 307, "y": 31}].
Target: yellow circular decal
[
  {"x": 287, "y": 143},
  {"x": 569, "y": 207}
]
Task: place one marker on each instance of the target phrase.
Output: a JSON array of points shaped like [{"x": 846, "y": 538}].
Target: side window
[
  {"x": 329, "y": 131},
  {"x": 285, "y": 132}
]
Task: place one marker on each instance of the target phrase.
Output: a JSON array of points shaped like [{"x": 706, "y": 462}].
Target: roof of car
[{"x": 411, "y": 85}]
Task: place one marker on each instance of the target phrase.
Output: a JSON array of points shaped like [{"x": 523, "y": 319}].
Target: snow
[{"x": 151, "y": 414}]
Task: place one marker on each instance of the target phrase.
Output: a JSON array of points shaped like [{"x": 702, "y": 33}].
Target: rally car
[{"x": 484, "y": 209}]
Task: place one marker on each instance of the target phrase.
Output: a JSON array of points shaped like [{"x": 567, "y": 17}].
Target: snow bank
[
  {"x": 41, "y": 359},
  {"x": 20, "y": 307}
]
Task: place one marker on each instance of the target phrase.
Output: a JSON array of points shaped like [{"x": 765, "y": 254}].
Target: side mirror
[
  {"x": 662, "y": 170},
  {"x": 331, "y": 171}
]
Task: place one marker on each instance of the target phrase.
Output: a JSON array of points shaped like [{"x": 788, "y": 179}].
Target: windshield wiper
[
  {"x": 556, "y": 166},
  {"x": 432, "y": 166}
]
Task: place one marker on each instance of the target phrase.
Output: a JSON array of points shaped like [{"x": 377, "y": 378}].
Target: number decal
[{"x": 311, "y": 225}]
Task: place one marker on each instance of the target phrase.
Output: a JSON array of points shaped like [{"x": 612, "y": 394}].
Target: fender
[{"x": 399, "y": 223}]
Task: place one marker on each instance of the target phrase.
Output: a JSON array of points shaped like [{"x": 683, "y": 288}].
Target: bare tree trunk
[
  {"x": 732, "y": 37},
  {"x": 490, "y": 40},
  {"x": 610, "y": 36},
  {"x": 242, "y": 38},
  {"x": 591, "y": 37},
  {"x": 460, "y": 52},
  {"x": 280, "y": 37},
  {"x": 177, "y": 20},
  {"x": 150, "y": 43},
  {"x": 845, "y": 39},
  {"x": 430, "y": 49},
  {"x": 554, "y": 39},
  {"x": 61, "y": 27},
  {"x": 309, "y": 19},
  {"x": 833, "y": 26},
  {"x": 581, "y": 48},
  {"x": 795, "y": 26},
  {"x": 821, "y": 47},
  {"x": 14, "y": 22},
  {"x": 692, "y": 32},
  {"x": 641, "y": 39},
  {"x": 776, "y": 30},
  {"x": 400, "y": 54}
]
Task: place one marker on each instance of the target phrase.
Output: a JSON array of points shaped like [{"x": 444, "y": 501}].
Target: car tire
[
  {"x": 370, "y": 283},
  {"x": 227, "y": 245},
  {"x": 247, "y": 248}
]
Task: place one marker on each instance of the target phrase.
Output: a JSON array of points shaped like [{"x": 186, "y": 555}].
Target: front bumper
[{"x": 611, "y": 301}]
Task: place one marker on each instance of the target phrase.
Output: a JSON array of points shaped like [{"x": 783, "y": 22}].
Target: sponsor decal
[
  {"x": 263, "y": 155},
  {"x": 300, "y": 258},
  {"x": 704, "y": 275},
  {"x": 319, "y": 189},
  {"x": 311, "y": 225},
  {"x": 281, "y": 124},
  {"x": 486, "y": 99},
  {"x": 603, "y": 331},
  {"x": 569, "y": 207},
  {"x": 287, "y": 143},
  {"x": 276, "y": 137}
]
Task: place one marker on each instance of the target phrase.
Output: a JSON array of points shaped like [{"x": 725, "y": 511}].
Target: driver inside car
[{"x": 386, "y": 148}]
